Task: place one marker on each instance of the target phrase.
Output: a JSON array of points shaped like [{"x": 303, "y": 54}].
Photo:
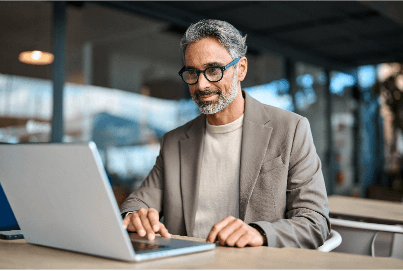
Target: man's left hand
[{"x": 234, "y": 232}]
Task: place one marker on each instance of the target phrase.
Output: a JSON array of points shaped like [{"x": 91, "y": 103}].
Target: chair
[
  {"x": 332, "y": 242},
  {"x": 360, "y": 237},
  {"x": 397, "y": 246}
]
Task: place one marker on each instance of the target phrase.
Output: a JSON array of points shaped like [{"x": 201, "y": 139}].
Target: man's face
[{"x": 211, "y": 97}]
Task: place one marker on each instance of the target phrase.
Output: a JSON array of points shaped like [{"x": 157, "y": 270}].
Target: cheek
[
  {"x": 192, "y": 88},
  {"x": 226, "y": 86}
]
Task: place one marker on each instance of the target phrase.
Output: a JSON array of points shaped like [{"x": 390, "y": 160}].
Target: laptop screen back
[{"x": 61, "y": 198}]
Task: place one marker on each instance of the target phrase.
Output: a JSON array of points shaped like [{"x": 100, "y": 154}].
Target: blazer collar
[
  {"x": 191, "y": 151},
  {"x": 254, "y": 110},
  {"x": 255, "y": 139}
]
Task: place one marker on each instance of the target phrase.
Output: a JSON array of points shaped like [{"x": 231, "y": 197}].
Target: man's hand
[
  {"x": 145, "y": 221},
  {"x": 234, "y": 232}
]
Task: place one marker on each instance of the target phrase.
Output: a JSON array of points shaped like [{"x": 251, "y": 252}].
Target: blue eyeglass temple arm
[
  {"x": 232, "y": 63},
  {"x": 225, "y": 67}
]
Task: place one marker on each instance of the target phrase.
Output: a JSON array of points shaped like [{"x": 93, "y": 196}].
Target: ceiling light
[{"x": 36, "y": 57}]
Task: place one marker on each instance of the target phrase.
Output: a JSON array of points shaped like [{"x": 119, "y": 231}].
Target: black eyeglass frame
[{"x": 198, "y": 72}]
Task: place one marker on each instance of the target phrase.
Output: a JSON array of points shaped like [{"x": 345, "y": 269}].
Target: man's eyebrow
[{"x": 210, "y": 64}]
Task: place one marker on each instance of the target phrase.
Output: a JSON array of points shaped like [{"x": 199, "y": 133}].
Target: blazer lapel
[
  {"x": 191, "y": 151},
  {"x": 256, "y": 135}
]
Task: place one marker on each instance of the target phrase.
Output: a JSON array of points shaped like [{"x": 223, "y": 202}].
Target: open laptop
[{"x": 62, "y": 198}]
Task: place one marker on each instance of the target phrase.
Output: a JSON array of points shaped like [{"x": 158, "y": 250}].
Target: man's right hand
[{"x": 145, "y": 221}]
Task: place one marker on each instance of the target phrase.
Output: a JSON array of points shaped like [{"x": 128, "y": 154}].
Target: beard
[{"x": 223, "y": 100}]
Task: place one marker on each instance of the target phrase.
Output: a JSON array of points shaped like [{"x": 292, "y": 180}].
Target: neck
[{"x": 229, "y": 114}]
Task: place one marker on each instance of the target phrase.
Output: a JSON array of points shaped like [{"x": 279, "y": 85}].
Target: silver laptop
[{"x": 62, "y": 198}]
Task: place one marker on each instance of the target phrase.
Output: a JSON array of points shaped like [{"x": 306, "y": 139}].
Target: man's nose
[{"x": 203, "y": 82}]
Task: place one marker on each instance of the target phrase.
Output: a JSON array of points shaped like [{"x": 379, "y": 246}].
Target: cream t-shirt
[{"x": 219, "y": 177}]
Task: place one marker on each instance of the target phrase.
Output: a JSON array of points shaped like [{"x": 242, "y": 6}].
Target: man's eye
[
  {"x": 214, "y": 71},
  {"x": 191, "y": 73}
]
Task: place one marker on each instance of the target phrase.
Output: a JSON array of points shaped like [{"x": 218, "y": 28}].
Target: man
[{"x": 242, "y": 173}]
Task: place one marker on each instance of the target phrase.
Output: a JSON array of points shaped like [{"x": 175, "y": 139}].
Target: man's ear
[{"x": 242, "y": 68}]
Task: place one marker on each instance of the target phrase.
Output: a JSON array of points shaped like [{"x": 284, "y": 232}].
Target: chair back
[
  {"x": 332, "y": 242},
  {"x": 397, "y": 246},
  {"x": 360, "y": 237}
]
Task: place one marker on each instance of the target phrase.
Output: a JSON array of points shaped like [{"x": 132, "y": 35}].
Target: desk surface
[
  {"x": 18, "y": 254},
  {"x": 379, "y": 211}
]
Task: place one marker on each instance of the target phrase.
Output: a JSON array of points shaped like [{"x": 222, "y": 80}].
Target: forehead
[{"x": 206, "y": 51}]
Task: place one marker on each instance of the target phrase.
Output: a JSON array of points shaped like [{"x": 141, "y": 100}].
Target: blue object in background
[
  {"x": 7, "y": 218},
  {"x": 371, "y": 165},
  {"x": 109, "y": 130}
]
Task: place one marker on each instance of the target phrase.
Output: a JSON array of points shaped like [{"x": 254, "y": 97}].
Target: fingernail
[
  {"x": 142, "y": 232},
  {"x": 155, "y": 228},
  {"x": 151, "y": 236}
]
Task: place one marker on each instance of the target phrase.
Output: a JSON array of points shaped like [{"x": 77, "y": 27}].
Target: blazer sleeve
[
  {"x": 306, "y": 223},
  {"x": 150, "y": 193}
]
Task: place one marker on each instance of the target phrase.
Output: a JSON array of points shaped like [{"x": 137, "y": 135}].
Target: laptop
[{"x": 61, "y": 198}]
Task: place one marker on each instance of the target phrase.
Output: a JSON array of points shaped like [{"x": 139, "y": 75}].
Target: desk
[
  {"x": 371, "y": 210},
  {"x": 18, "y": 254}
]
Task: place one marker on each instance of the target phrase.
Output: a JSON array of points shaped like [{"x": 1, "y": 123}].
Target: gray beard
[{"x": 212, "y": 107}]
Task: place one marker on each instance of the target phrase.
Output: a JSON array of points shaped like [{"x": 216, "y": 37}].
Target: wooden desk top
[
  {"x": 372, "y": 210},
  {"x": 18, "y": 254}
]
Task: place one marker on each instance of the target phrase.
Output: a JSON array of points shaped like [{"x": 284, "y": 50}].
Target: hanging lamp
[{"x": 36, "y": 56}]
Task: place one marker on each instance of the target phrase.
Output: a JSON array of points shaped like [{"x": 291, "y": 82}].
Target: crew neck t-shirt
[{"x": 219, "y": 176}]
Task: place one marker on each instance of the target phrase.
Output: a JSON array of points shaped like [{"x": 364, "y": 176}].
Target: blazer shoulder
[
  {"x": 180, "y": 132},
  {"x": 282, "y": 117}
]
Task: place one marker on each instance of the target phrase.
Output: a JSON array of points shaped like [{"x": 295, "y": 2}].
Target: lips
[
  {"x": 207, "y": 97},
  {"x": 206, "y": 93}
]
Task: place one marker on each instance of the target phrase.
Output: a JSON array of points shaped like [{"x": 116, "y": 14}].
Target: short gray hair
[{"x": 224, "y": 32}]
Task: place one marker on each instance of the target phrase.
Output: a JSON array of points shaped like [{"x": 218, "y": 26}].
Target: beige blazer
[{"x": 281, "y": 182}]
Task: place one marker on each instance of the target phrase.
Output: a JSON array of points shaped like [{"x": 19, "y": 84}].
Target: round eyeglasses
[{"x": 212, "y": 74}]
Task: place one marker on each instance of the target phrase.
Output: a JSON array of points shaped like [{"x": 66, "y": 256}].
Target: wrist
[
  {"x": 261, "y": 231},
  {"x": 126, "y": 214}
]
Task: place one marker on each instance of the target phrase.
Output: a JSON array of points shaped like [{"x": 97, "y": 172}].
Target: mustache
[{"x": 199, "y": 93}]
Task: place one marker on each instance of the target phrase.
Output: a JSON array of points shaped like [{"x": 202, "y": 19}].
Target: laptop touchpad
[{"x": 142, "y": 244}]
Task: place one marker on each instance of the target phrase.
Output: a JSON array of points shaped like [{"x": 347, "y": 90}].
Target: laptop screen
[{"x": 7, "y": 218}]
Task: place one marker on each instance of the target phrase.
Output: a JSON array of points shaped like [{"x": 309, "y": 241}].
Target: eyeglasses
[{"x": 212, "y": 74}]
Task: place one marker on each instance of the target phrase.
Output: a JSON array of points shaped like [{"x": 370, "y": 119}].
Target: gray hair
[{"x": 224, "y": 32}]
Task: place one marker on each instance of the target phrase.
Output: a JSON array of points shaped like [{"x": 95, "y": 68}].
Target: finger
[
  {"x": 127, "y": 223},
  {"x": 244, "y": 239},
  {"x": 153, "y": 217},
  {"x": 130, "y": 227},
  {"x": 163, "y": 231},
  {"x": 136, "y": 222},
  {"x": 211, "y": 238},
  {"x": 236, "y": 235},
  {"x": 228, "y": 230},
  {"x": 146, "y": 224}
]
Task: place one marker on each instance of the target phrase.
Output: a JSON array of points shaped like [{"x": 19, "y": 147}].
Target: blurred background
[{"x": 114, "y": 80}]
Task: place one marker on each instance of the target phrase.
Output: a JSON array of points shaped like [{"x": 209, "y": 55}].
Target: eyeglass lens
[{"x": 213, "y": 74}]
